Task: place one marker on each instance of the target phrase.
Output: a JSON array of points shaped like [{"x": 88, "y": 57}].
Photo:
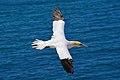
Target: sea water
[{"x": 95, "y": 23}]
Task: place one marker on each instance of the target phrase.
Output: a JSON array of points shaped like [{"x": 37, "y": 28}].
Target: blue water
[{"x": 95, "y": 23}]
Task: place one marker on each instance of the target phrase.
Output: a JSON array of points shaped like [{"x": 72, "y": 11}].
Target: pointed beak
[{"x": 83, "y": 45}]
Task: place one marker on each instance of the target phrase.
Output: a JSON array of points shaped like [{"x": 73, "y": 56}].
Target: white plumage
[{"x": 59, "y": 42}]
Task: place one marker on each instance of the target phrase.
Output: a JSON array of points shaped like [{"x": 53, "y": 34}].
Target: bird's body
[{"x": 59, "y": 42}]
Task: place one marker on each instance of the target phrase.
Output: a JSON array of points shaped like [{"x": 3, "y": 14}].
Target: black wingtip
[
  {"x": 67, "y": 65},
  {"x": 57, "y": 15}
]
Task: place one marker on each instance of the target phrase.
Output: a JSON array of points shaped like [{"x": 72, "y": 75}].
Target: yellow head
[
  {"x": 76, "y": 43},
  {"x": 79, "y": 44}
]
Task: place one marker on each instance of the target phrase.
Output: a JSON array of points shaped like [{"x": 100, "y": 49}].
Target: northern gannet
[{"x": 59, "y": 42}]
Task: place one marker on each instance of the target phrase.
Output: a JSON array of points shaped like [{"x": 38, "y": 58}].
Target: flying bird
[{"x": 59, "y": 42}]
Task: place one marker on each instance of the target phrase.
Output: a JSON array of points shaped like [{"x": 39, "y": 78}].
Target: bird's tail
[{"x": 39, "y": 44}]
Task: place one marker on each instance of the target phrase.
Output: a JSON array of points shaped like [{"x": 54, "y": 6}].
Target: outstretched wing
[
  {"x": 65, "y": 58},
  {"x": 63, "y": 52},
  {"x": 58, "y": 24},
  {"x": 57, "y": 15}
]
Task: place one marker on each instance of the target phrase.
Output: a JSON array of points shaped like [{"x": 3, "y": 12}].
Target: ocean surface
[{"x": 95, "y": 23}]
